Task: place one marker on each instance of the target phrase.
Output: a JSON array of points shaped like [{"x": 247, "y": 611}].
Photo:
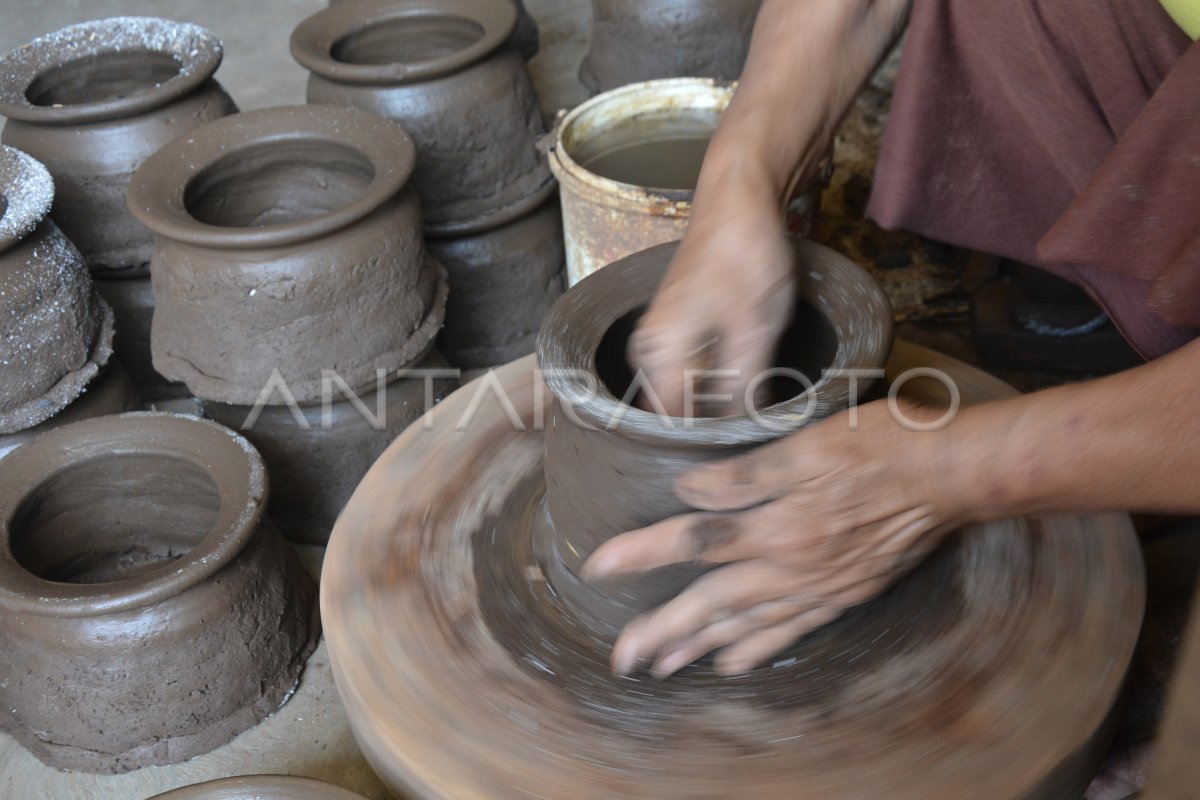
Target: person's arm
[
  {"x": 823, "y": 520},
  {"x": 729, "y": 291}
]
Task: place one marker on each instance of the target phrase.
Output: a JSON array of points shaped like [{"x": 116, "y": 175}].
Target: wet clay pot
[
  {"x": 112, "y": 392},
  {"x": 502, "y": 283},
  {"x": 524, "y": 37},
  {"x": 261, "y": 787},
  {"x": 92, "y": 102},
  {"x": 598, "y": 447},
  {"x": 317, "y": 455},
  {"x": 440, "y": 68},
  {"x": 55, "y": 331},
  {"x": 132, "y": 302},
  {"x": 708, "y": 39},
  {"x": 150, "y": 611},
  {"x": 288, "y": 245}
]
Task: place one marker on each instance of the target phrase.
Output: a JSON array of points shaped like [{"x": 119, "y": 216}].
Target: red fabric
[{"x": 1061, "y": 133}]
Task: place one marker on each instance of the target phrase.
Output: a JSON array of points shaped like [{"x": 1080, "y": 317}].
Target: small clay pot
[
  {"x": 289, "y": 244},
  {"x": 92, "y": 102},
  {"x": 150, "y": 611},
  {"x": 442, "y": 70},
  {"x": 502, "y": 283},
  {"x": 315, "y": 465},
  {"x": 132, "y": 302},
  {"x": 708, "y": 39},
  {"x": 261, "y": 787},
  {"x": 598, "y": 448},
  {"x": 525, "y": 37},
  {"x": 55, "y": 331},
  {"x": 112, "y": 392}
]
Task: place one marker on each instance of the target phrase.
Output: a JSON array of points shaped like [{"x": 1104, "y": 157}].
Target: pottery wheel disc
[{"x": 990, "y": 672}]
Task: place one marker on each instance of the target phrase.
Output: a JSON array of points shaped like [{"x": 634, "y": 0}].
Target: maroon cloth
[{"x": 1061, "y": 133}]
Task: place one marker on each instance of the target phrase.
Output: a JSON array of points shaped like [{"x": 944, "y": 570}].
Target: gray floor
[{"x": 258, "y": 70}]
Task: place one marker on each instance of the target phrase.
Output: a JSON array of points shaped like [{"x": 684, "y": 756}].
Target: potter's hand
[
  {"x": 717, "y": 318},
  {"x": 806, "y": 528}
]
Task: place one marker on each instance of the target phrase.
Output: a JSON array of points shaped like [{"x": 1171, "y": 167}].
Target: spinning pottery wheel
[{"x": 991, "y": 671}]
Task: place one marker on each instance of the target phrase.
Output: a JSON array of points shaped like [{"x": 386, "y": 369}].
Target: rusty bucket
[{"x": 605, "y": 220}]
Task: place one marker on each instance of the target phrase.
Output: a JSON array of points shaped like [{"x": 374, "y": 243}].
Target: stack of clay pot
[
  {"x": 445, "y": 70},
  {"x": 92, "y": 102},
  {"x": 294, "y": 292},
  {"x": 642, "y": 40},
  {"x": 56, "y": 332},
  {"x": 149, "y": 611}
]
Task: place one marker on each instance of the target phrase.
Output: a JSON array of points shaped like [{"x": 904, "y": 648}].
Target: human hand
[{"x": 806, "y": 528}]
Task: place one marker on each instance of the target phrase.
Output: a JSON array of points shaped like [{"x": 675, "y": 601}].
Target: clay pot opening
[
  {"x": 106, "y": 69},
  {"x": 377, "y": 42},
  {"x": 277, "y": 183},
  {"x": 808, "y": 346},
  {"x": 407, "y": 40},
  {"x": 101, "y": 77},
  {"x": 113, "y": 519}
]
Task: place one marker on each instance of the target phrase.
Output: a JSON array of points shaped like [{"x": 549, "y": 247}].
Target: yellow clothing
[{"x": 1186, "y": 13}]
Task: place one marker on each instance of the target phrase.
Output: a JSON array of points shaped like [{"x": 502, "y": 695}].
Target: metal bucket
[{"x": 605, "y": 220}]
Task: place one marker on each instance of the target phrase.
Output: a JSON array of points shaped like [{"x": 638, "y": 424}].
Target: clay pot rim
[
  {"x": 241, "y": 486},
  {"x": 263, "y": 787},
  {"x": 665, "y": 202},
  {"x": 27, "y": 193},
  {"x": 313, "y": 40},
  {"x": 158, "y": 188},
  {"x": 835, "y": 285},
  {"x": 493, "y": 219},
  {"x": 197, "y": 50}
]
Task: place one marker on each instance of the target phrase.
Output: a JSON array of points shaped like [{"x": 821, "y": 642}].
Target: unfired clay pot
[
  {"x": 55, "y": 331},
  {"x": 132, "y": 302},
  {"x": 261, "y": 787},
  {"x": 92, "y": 102},
  {"x": 524, "y": 38},
  {"x": 642, "y": 40},
  {"x": 599, "y": 448},
  {"x": 112, "y": 392},
  {"x": 150, "y": 611},
  {"x": 442, "y": 70},
  {"x": 316, "y": 465},
  {"x": 502, "y": 283},
  {"x": 289, "y": 244}
]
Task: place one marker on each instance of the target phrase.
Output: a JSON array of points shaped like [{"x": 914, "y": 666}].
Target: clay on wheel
[
  {"x": 150, "y": 610},
  {"x": 260, "y": 787}
]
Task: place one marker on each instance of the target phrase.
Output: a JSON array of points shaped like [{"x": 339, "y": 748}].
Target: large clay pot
[
  {"x": 502, "y": 283},
  {"x": 708, "y": 39},
  {"x": 150, "y": 611},
  {"x": 132, "y": 302},
  {"x": 317, "y": 455},
  {"x": 112, "y": 392},
  {"x": 92, "y": 102},
  {"x": 442, "y": 70},
  {"x": 289, "y": 245},
  {"x": 525, "y": 36},
  {"x": 55, "y": 331},
  {"x": 261, "y": 787},
  {"x": 600, "y": 447}
]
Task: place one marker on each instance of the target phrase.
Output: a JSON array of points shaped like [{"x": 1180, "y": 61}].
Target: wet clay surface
[
  {"x": 672, "y": 164},
  {"x": 261, "y": 787},
  {"x": 315, "y": 466},
  {"x": 502, "y": 283},
  {"x": 93, "y": 101},
  {"x": 709, "y": 39},
  {"x": 152, "y": 612},
  {"x": 909, "y": 696}
]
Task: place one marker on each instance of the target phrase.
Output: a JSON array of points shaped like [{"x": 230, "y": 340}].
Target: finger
[
  {"x": 665, "y": 346},
  {"x": 714, "y": 538},
  {"x": 722, "y": 633},
  {"x": 742, "y": 481},
  {"x": 752, "y": 651},
  {"x": 710, "y": 599}
]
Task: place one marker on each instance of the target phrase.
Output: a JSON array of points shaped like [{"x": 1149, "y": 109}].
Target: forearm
[
  {"x": 807, "y": 62},
  {"x": 1127, "y": 442}
]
